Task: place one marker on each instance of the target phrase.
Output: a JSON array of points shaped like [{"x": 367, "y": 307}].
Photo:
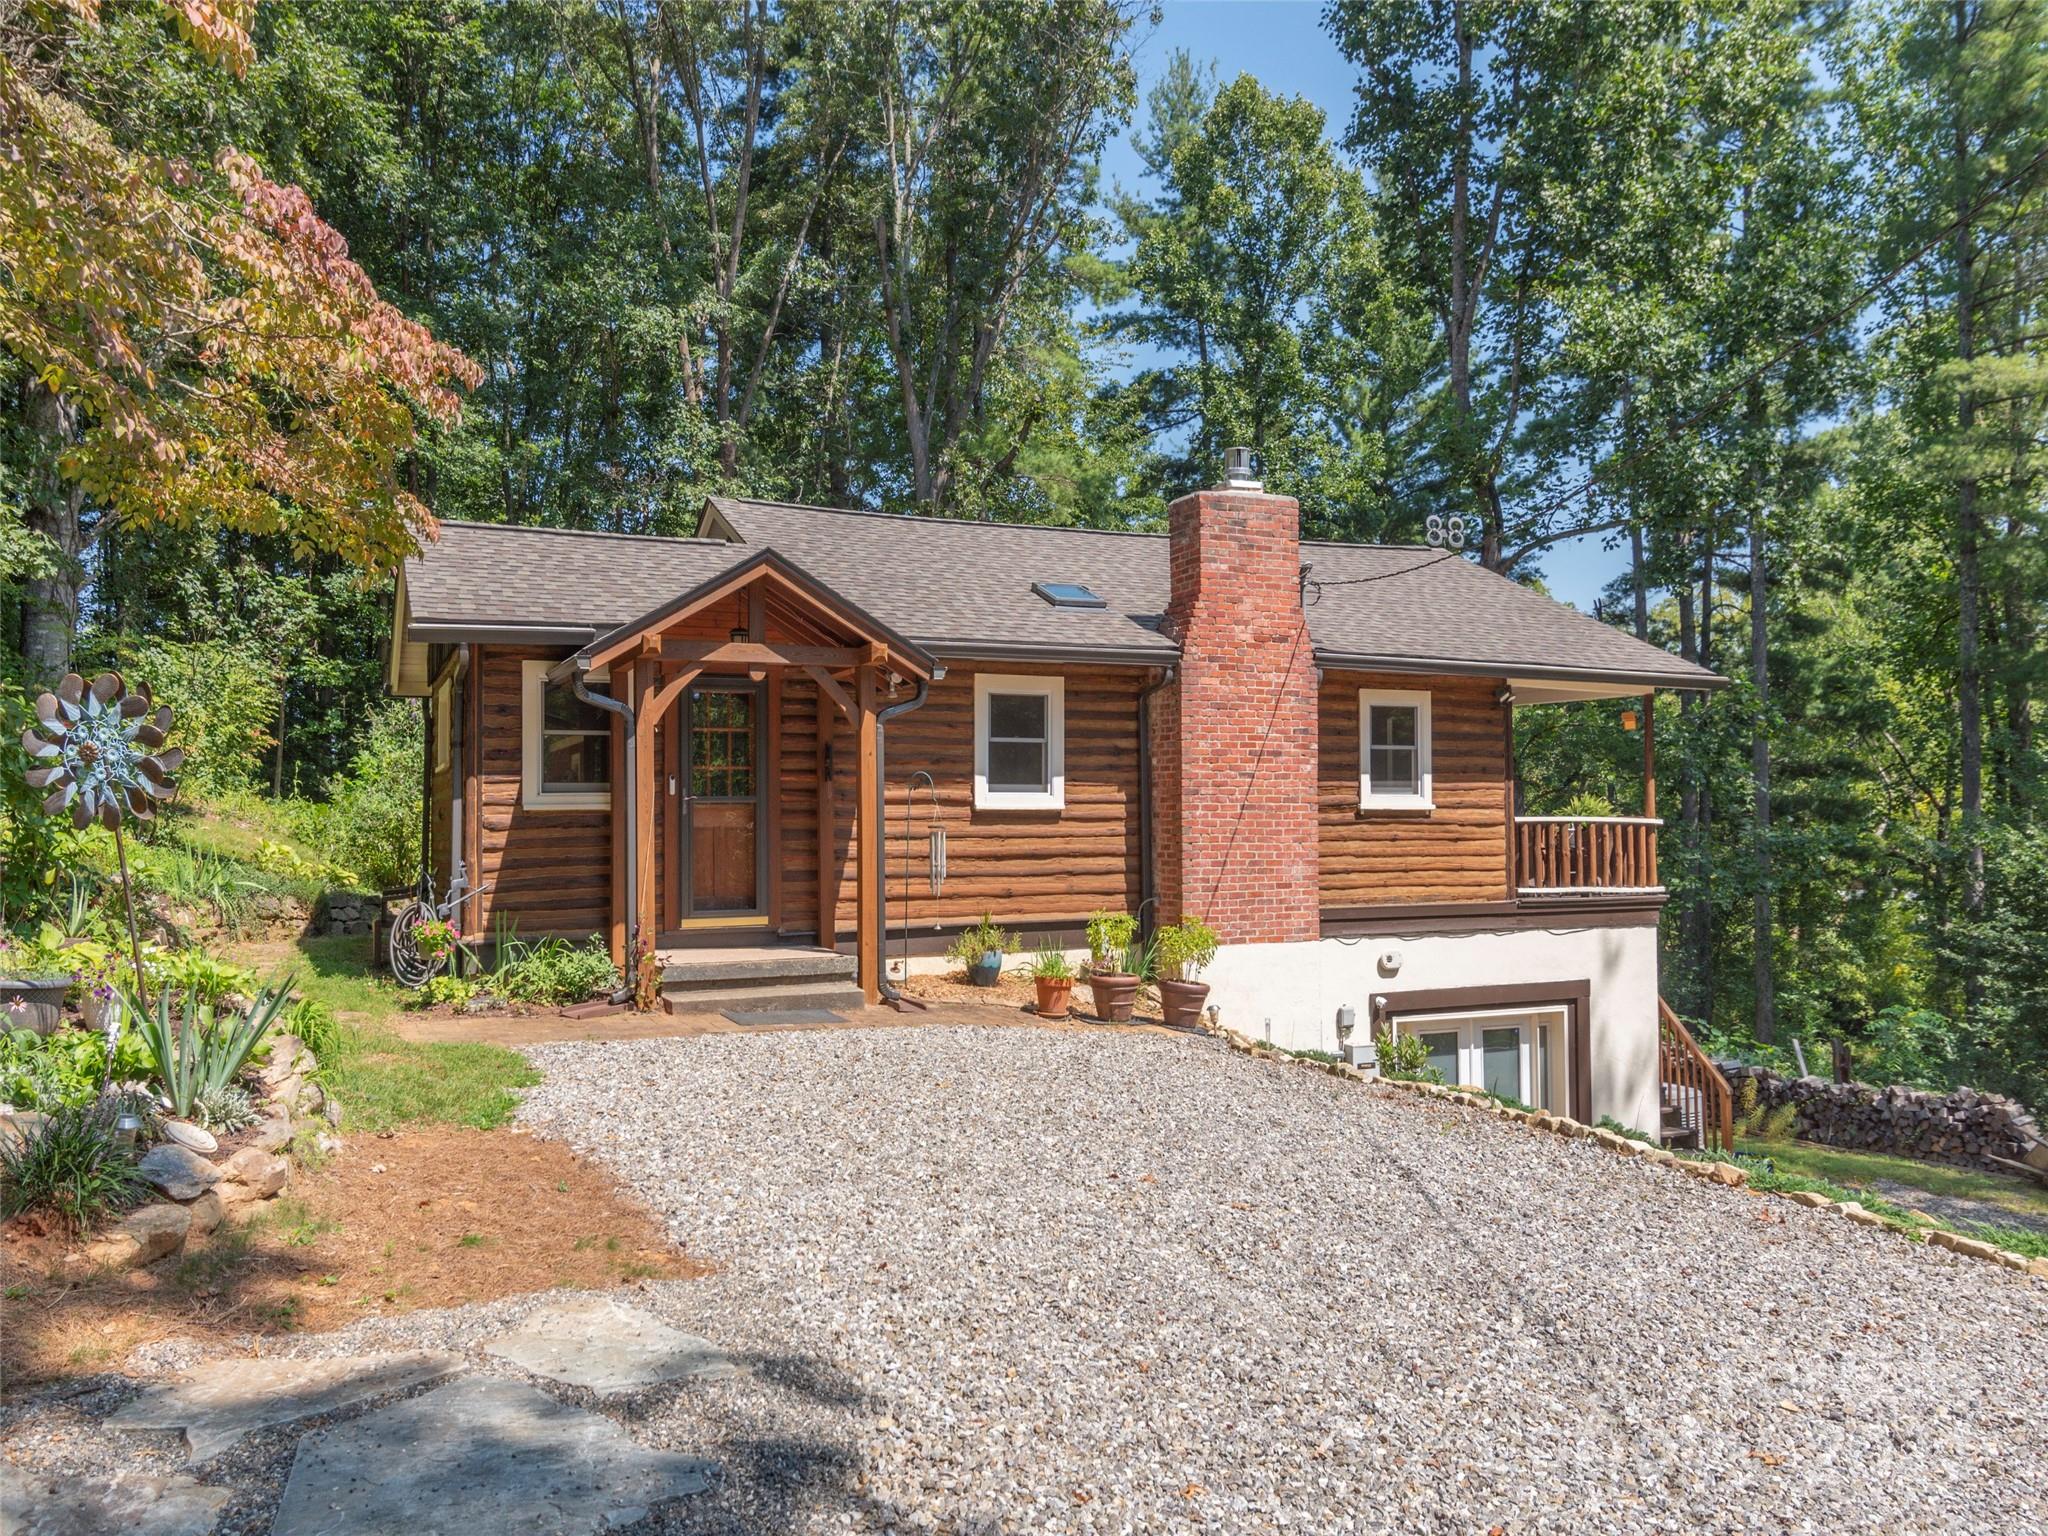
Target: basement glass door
[{"x": 722, "y": 842}]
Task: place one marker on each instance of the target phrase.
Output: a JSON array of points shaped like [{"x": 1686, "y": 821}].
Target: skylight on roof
[{"x": 1067, "y": 594}]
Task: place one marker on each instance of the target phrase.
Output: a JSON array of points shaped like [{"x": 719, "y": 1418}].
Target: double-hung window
[
  {"x": 566, "y": 744},
  {"x": 1393, "y": 750},
  {"x": 1019, "y": 742}
]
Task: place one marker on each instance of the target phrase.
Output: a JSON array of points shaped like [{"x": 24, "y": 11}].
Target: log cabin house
[{"x": 738, "y": 744}]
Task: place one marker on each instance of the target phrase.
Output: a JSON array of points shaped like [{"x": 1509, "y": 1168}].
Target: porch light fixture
[{"x": 737, "y": 635}]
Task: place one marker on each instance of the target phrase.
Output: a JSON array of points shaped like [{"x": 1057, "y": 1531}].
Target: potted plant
[
  {"x": 1053, "y": 973},
  {"x": 1110, "y": 939},
  {"x": 980, "y": 950},
  {"x": 33, "y": 984},
  {"x": 1185, "y": 949}
]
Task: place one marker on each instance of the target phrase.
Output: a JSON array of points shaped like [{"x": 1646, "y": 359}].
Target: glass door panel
[{"x": 723, "y": 825}]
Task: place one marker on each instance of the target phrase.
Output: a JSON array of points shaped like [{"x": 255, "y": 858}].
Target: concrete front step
[
  {"x": 763, "y": 996},
  {"x": 721, "y": 970}
]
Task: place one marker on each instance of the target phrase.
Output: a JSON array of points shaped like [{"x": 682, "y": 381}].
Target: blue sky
[{"x": 1283, "y": 44}]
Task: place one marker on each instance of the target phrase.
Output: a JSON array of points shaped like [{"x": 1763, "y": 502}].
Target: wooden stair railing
[{"x": 1692, "y": 1086}]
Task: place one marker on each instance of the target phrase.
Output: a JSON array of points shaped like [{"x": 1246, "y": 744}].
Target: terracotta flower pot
[
  {"x": 1054, "y": 993},
  {"x": 1115, "y": 996},
  {"x": 1181, "y": 1002}
]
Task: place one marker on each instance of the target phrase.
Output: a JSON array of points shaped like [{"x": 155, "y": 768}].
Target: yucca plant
[{"x": 196, "y": 1054}]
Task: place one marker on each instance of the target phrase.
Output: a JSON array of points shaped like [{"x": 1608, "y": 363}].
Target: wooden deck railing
[
  {"x": 1586, "y": 853},
  {"x": 1693, "y": 1094}
]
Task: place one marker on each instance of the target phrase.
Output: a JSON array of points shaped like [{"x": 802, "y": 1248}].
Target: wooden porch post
[
  {"x": 868, "y": 835},
  {"x": 645, "y": 788},
  {"x": 621, "y": 920},
  {"x": 1649, "y": 754},
  {"x": 828, "y": 870}
]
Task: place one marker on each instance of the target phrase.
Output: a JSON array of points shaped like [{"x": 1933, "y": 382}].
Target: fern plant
[{"x": 196, "y": 1054}]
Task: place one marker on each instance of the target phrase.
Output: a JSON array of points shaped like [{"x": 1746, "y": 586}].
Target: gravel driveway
[
  {"x": 1005, "y": 1279},
  {"x": 1016, "y": 1280}
]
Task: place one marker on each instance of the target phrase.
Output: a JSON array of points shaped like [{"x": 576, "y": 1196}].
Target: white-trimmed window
[
  {"x": 1393, "y": 750},
  {"x": 565, "y": 744},
  {"x": 1020, "y": 742}
]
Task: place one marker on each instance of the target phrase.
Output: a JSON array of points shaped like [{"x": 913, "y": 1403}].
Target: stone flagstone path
[
  {"x": 480, "y": 1454},
  {"x": 216, "y": 1404},
  {"x": 595, "y": 1342}
]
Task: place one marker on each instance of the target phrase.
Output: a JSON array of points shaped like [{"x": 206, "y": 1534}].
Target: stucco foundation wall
[{"x": 1290, "y": 993}]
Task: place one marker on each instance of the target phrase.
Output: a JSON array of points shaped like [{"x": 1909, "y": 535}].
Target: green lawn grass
[
  {"x": 386, "y": 1082},
  {"x": 1846, "y": 1175},
  {"x": 1838, "y": 1166}
]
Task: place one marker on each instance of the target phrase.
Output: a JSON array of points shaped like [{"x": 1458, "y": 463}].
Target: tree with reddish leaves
[{"x": 197, "y": 343}]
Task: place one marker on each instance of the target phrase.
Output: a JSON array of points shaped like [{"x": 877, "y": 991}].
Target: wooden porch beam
[
  {"x": 1649, "y": 754},
  {"x": 828, "y": 685},
  {"x": 730, "y": 653}
]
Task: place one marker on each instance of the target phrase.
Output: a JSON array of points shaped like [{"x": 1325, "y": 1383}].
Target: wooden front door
[{"x": 723, "y": 851}]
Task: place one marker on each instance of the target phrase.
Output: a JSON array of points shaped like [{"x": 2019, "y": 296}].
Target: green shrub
[
  {"x": 553, "y": 971},
  {"x": 315, "y": 1024},
  {"x": 1406, "y": 1058},
  {"x": 372, "y": 822},
  {"x": 62, "y": 1068},
  {"x": 456, "y": 991},
  {"x": 75, "y": 1166},
  {"x": 1109, "y": 934},
  {"x": 197, "y": 1053},
  {"x": 225, "y": 697},
  {"x": 1186, "y": 948},
  {"x": 986, "y": 937},
  {"x": 1609, "y": 1123},
  {"x": 198, "y": 976}
]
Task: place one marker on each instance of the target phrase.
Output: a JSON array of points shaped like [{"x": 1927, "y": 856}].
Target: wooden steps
[{"x": 769, "y": 977}]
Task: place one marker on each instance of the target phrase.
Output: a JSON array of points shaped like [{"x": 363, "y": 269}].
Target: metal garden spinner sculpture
[{"x": 100, "y": 753}]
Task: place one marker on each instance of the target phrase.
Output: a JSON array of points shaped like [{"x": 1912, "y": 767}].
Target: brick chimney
[{"x": 1234, "y": 736}]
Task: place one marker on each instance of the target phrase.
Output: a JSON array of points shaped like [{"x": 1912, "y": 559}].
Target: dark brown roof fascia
[
  {"x": 1703, "y": 682},
  {"x": 456, "y": 631},
  {"x": 1165, "y": 654}
]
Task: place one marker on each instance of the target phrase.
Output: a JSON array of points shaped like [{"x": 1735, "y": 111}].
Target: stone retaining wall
[
  {"x": 346, "y": 914},
  {"x": 1962, "y": 1126}
]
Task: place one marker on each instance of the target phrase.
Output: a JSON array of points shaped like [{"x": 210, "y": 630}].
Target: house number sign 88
[{"x": 1450, "y": 531}]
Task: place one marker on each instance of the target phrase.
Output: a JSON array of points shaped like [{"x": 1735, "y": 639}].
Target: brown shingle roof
[
  {"x": 502, "y": 575},
  {"x": 964, "y": 589},
  {"x": 1410, "y": 606}
]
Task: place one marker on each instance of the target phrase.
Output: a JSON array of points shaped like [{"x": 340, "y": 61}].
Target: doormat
[{"x": 783, "y": 1016}]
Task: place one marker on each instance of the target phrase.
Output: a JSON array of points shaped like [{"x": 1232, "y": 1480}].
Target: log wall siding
[
  {"x": 1021, "y": 866},
  {"x": 549, "y": 871},
  {"x": 1457, "y": 852}
]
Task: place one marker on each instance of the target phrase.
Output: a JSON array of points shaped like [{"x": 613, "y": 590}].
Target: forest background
[{"x": 1753, "y": 291}]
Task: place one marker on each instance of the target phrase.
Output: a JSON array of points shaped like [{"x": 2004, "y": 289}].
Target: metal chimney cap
[{"x": 1238, "y": 474}]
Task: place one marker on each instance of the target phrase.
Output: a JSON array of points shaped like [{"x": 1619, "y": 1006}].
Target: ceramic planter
[
  {"x": 1181, "y": 1002},
  {"x": 1054, "y": 995},
  {"x": 983, "y": 972},
  {"x": 1115, "y": 996},
  {"x": 40, "y": 1000}
]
